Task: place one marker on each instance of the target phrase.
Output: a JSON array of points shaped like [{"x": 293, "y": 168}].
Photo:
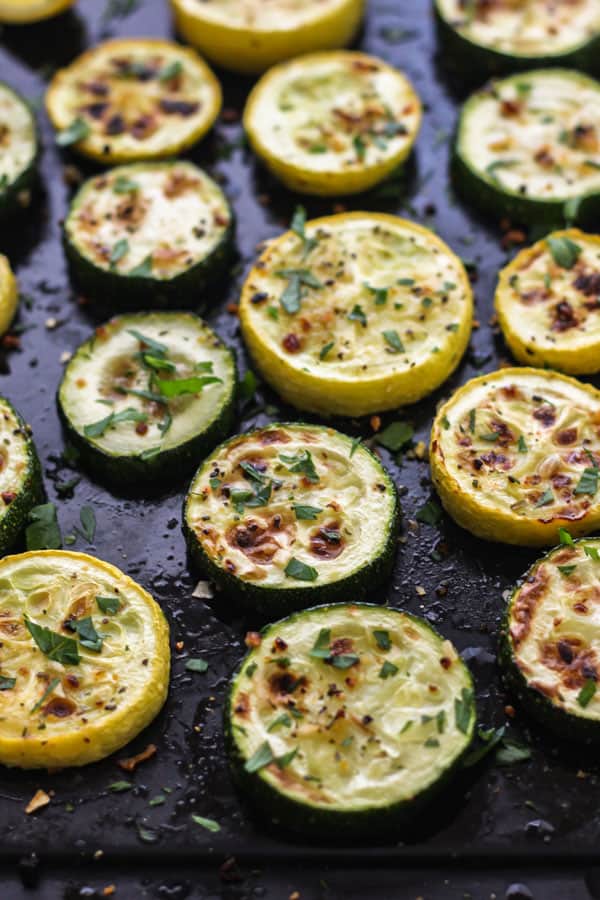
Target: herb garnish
[
  {"x": 380, "y": 294},
  {"x": 44, "y": 531},
  {"x": 283, "y": 719},
  {"x": 292, "y": 295},
  {"x": 383, "y": 639},
  {"x": 97, "y": 429},
  {"x": 357, "y": 315},
  {"x": 209, "y": 824},
  {"x": 430, "y": 513},
  {"x": 181, "y": 386},
  {"x": 463, "y": 710},
  {"x": 546, "y": 498},
  {"x": 587, "y": 692},
  {"x": 396, "y": 436},
  {"x": 564, "y": 251},
  {"x": 88, "y": 636},
  {"x": 521, "y": 445},
  {"x": 307, "y": 513},
  {"x": 298, "y": 225},
  {"x": 53, "y": 684},
  {"x": 565, "y": 537},
  {"x": 125, "y": 185},
  {"x": 77, "y": 131},
  {"x": 6, "y": 683},
  {"x": 566, "y": 570},
  {"x": 261, "y": 758},
  {"x": 302, "y": 463},
  {"x": 55, "y": 646},
  {"x": 393, "y": 339},
  {"x": 388, "y": 669},
  {"x": 588, "y": 483},
  {"x": 592, "y": 552},
  {"x": 108, "y": 605},
  {"x": 326, "y": 349},
  {"x": 196, "y": 665},
  {"x": 120, "y": 249},
  {"x": 170, "y": 71},
  {"x": 300, "y": 571}
]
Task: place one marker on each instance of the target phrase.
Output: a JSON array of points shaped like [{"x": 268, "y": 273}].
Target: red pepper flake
[
  {"x": 233, "y": 309},
  {"x": 8, "y": 497},
  {"x": 141, "y": 428},
  {"x": 253, "y": 639},
  {"x": 375, "y": 423},
  {"x": 292, "y": 343}
]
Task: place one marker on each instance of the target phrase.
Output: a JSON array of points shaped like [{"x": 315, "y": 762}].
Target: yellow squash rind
[
  {"x": 9, "y": 295},
  {"x": 252, "y": 48},
  {"x": 23, "y": 12},
  {"x": 487, "y": 513},
  {"x": 76, "y": 739}
]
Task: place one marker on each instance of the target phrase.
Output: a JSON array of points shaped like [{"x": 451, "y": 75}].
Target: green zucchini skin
[
  {"x": 558, "y": 722},
  {"x": 496, "y": 202},
  {"x": 13, "y": 194},
  {"x": 168, "y": 466},
  {"x": 297, "y": 817},
  {"x": 30, "y": 494},
  {"x": 263, "y": 603},
  {"x": 473, "y": 61},
  {"x": 114, "y": 290}
]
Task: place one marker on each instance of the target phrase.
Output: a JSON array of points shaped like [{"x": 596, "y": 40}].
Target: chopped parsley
[
  {"x": 299, "y": 571},
  {"x": 388, "y": 669},
  {"x": 463, "y": 706},
  {"x": 564, "y": 251},
  {"x": 383, "y": 639},
  {"x": 297, "y": 225},
  {"x": 307, "y": 513},
  {"x": 521, "y": 445},
  {"x": 302, "y": 463},
  {"x": 55, "y": 646},
  {"x": 108, "y": 605},
  {"x": 587, "y": 692},
  {"x": 588, "y": 483},
  {"x": 396, "y": 436},
  {"x": 392, "y": 338},
  {"x": 357, "y": 315},
  {"x": 566, "y": 570},
  {"x": 546, "y": 498},
  {"x": 291, "y": 299}
]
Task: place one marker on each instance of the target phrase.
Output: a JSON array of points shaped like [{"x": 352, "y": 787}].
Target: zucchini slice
[
  {"x": 85, "y": 659},
  {"x": 9, "y": 295},
  {"x": 147, "y": 395},
  {"x": 133, "y": 99},
  {"x": 290, "y": 515},
  {"x": 345, "y": 719},
  {"x": 21, "y": 486},
  {"x": 357, "y": 313},
  {"x": 20, "y": 150},
  {"x": 23, "y": 12},
  {"x": 529, "y": 144},
  {"x": 548, "y": 303},
  {"x": 148, "y": 234},
  {"x": 332, "y": 123},
  {"x": 550, "y": 643},
  {"x": 498, "y": 36},
  {"x": 515, "y": 456},
  {"x": 246, "y": 36}
]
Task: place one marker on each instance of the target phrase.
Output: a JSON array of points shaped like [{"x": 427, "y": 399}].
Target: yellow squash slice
[
  {"x": 515, "y": 456},
  {"x": 9, "y": 295},
  {"x": 333, "y": 123},
  {"x": 356, "y": 313},
  {"x": 133, "y": 99},
  {"x": 84, "y": 659},
  {"x": 251, "y": 35},
  {"x": 22, "y": 12},
  {"x": 548, "y": 303}
]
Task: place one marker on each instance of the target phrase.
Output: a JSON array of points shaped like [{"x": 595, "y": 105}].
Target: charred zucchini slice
[
  {"x": 332, "y": 123},
  {"x": 133, "y": 99},
  {"x": 21, "y": 486},
  {"x": 548, "y": 303},
  {"x": 247, "y": 36},
  {"x": 20, "y": 150},
  {"x": 500, "y": 36},
  {"x": 85, "y": 659},
  {"x": 345, "y": 719},
  {"x": 530, "y": 144},
  {"x": 290, "y": 515},
  {"x": 356, "y": 313},
  {"x": 148, "y": 234},
  {"x": 551, "y": 641},
  {"x": 147, "y": 395},
  {"x": 23, "y": 12},
  {"x": 515, "y": 456}
]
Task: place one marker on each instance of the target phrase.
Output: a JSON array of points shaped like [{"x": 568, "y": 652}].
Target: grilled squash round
[
  {"x": 21, "y": 485},
  {"x": 147, "y": 395},
  {"x": 498, "y": 36},
  {"x": 9, "y": 294},
  {"x": 332, "y": 123},
  {"x": 85, "y": 659},
  {"x": 548, "y": 303},
  {"x": 148, "y": 234},
  {"x": 515, "y": 456},
  {"x": 23, "y": 12},
  {"x": 529, "y": 144},
  {"x": 551, "y": 640},
  {"x": 292, "y": 515},
  {"x": 358, "y": 313},
  {"x": 346, "y": 719},
  {"x": 133, "y": 99},
  {"x": 249, "y": 36},
  {"x": 20, "y": 150}
]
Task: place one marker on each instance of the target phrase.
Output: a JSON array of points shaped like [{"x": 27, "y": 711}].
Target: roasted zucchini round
[
  {"x": 9, "y": 295},
  {"x": 148, "y": 234},
  {"x": 499, "y": 36},
  {"x": 356, "y": 313},
  {"x": 148, "y": 395},
  {"x": 133, "y": 99},
  {"x": 291, "y": 515},
  {"x": 85, "y": 659},
  {"x": 332, "y": 123},
  {"x": 515, "y": 456},
  {"x": 247, "y": 36},
  {"x": 20, "y": 149},
  {"x": 548, "y": 303},
  {"x": 21, "y": 486},
  {"x": 345, "y": 719},
  {"x": 550, "y": 643},
  {"x": 23, "y": 12},
  {"x": 528, "y": 145}
]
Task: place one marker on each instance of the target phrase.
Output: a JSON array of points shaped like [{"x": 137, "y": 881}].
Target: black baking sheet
[{"x": 544, "y": 809}]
